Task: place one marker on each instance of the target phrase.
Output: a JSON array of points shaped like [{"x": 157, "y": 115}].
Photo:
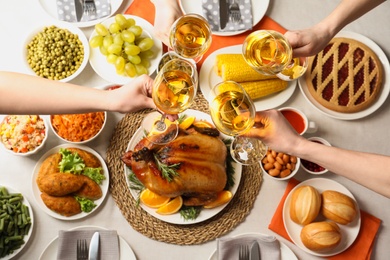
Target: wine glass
[
  {"x": 268, "y": 52},
  {"x": 190, "y": 36},
  {"x": 233, "y": 113},
  {"x": 174, "y": 90}
]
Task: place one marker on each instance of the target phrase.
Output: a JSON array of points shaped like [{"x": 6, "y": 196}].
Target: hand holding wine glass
[
  {"x": 190, "y": 36},
  {"x": 233, "y": 113},
  {"x": 174, "y": 90},
  {"x": 269, "y": 53}
]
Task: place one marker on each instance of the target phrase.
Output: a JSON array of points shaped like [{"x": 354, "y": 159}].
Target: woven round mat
[{"x": 233, "y": 214}]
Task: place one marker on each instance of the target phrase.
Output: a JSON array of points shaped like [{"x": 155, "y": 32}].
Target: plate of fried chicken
[
  {"x": 70, "y": 181},
  {"x": 204, "y": 169}
]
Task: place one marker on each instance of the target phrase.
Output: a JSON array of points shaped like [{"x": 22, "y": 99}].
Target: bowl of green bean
[
  {"x": 57, "y": 51},
  {"x": 16, "y": 222}
]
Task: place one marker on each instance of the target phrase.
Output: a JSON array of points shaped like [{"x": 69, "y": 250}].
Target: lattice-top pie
[{"x": 345, "y": 77}]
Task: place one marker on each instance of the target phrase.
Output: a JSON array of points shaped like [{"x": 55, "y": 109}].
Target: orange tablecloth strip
[
  {"x": 146, "y": 10},
  {"x": 360, "y": 249}
]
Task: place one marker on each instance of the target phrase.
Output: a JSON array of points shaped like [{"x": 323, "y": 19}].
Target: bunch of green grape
[{"x": 124, "y": 46}]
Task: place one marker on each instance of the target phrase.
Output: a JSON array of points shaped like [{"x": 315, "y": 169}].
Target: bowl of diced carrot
[
  {"x": 23, "y": 135},
  {"x": 78, "y": 128}
]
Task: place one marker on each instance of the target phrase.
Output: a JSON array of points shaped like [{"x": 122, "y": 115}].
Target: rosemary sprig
[
  {"x": 229, "y": 166},
  {"x": 190, "y": 213},
  {"x": 135, "y": 184},
  {"x": 167, "y": 171}
]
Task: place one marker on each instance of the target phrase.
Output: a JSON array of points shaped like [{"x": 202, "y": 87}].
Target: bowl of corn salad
[{"x": 23, "y": 134}]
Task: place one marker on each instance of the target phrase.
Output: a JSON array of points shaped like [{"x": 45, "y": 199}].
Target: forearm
[
  {"x": 346, "y": 12},
  {"x": 369, "y": 170},
  {"x": 24, "y": 94}
]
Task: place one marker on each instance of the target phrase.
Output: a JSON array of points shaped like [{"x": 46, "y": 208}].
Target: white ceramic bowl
[
  {"x": 39, "y": 147},
  {"x": 79, "y": 142},
  {"x": 71, "y": 28},
  {"x": 297, "y": 165},
  {"x": 313, "y": 168}
]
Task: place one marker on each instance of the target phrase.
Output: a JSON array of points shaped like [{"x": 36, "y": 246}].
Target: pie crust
[{"x": 346, "y": 76}]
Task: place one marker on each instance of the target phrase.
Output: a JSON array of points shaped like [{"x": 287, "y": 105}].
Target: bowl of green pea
[{"x": 57, "y": 51}]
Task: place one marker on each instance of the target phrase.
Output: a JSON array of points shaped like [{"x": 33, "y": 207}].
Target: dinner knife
[
  {"x": 79, "y": 9},
  {"x": 94, "y": 247},
  {"x": 255, "y": 251},
  {"x": 223, "y": 13}
]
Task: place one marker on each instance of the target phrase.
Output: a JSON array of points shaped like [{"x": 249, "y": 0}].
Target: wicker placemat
[{"x": 233, "y": 214}]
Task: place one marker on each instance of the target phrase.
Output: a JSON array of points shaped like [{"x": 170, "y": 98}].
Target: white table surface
[{"x": 371, "y": 134}]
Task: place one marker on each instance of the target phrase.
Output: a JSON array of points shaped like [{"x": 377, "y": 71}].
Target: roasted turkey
[{"x": 198, "y": 157}]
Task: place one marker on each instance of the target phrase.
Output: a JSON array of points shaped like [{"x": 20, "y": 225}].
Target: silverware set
[
  {"x": 234, "y": 11},
  {"x": 251, "y": 252},
  {"x": 82, "y": 249},
  {"x": 89, "y": 7},
  {"x": 243, "y": 254}
]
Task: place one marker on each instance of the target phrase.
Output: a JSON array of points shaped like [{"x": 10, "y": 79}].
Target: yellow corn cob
[
  {"x": 262, "y": 88},
  {"x": 234, "y": 67}
]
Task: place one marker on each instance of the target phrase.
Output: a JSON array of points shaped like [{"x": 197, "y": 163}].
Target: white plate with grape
[{"x": 121, "y": 61}]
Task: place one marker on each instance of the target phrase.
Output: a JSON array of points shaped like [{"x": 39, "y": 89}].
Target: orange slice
[
  {"x": 171, "y": 207},
  {"x": 223, "y": 197},
  {"x": 187, "y": 122},
  {"x": 153, "y": 200},
  {"x": 203, "y": 123}
]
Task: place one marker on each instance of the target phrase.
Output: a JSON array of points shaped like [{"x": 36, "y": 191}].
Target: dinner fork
[
  {"x": 234, "y": 10},
  {"x": 82, "y": 249},
  {"x": 90, "y": 7},
  {"x": 243, "y": 254}
]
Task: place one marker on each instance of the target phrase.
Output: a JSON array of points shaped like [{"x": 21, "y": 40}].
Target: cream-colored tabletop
[{"x": 370, "y": 133}]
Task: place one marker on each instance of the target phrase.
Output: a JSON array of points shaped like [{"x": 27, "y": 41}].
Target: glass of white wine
[
  {"x": 269, "y": 53},
  {"x": 190, "y": 36},
  {"x": 174, "y": 90},
  {"x": 233, "y": 113}
]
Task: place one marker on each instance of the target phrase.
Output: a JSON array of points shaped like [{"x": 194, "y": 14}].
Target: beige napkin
[
  {"x": 108, "y": 243},
  {"x": 210, "y": 9},
  {"x": 228, "y": 248},
  {"x": 66, "y": 11}
]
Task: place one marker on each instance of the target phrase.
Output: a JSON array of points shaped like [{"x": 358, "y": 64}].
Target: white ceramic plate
[
  {"x": 125, "y": 251},
  {"x": 50, "y": 7},
  {"x": 259, "y": 8},
  {"x": 107, "y": 71},
  {"x": 285, "y": 251},
  {"x": 208, "y": 79},
  {"x": 37, "y": 192},
  {"x": 349, "y": 232},
  {"x": 26, "y": 238},
  {"x": 70, "y": 27},
  {"x": 176, "y": 218},
  {"x": 382, "y": 96}
]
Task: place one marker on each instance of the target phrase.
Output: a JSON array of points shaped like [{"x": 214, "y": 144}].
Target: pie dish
[{"x": 346, "y": 76}]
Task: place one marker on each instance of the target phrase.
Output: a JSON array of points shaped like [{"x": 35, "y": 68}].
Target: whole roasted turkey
[{"x": 198, "y": 157}]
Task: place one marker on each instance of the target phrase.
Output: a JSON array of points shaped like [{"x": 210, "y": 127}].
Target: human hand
[
  {"x": 274, "y": 130},
  {"x": 308, "y": 42},
  {"x": 132, "y": 96},
  {"x": 167, "y": 12}
]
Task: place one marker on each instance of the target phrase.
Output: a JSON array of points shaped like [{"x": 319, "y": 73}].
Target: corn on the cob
[
  {"x": 234, "y": 67},
  {"x": 262, "y": 88}
]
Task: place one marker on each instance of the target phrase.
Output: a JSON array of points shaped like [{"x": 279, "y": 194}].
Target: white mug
[{"x": 298, "y": 120}]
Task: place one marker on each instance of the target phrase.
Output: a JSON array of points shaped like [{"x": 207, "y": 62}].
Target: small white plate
[
  {"x": 176, "y": 218},
  {"x": 285, "y": 252},
  {"x": 208, "y": 79},
  {"x": 259, "y": 8},
  {"x": 381, "y": 97},
  {"x": 26, "y": 238},
  {"x": 107, "y": 71},
  {"x": 50, "y": 7},
  {"x": 37, "y": 192},
  {"x": 71, "y": 28},
  {"x": 349, "y": 232},
  {"x": 125, "y": 251}
]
